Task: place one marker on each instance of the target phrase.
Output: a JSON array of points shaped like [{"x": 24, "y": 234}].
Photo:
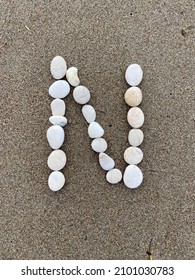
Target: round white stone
[
  {"x": 58, "y": 107},
  {"x": 72, "y": 76},
  {"x": 81, "y": 94},
  {"x": 134, "y": 75},
  {"x": 58, "y": 67},
  {"x": 132, "y": 177},
  {"x": 59, "y": 120},
  {"x": 55, "y": 136},
  {"x": 56, "y": 160},
  {"x": 114, "y": 176},
  {"x": 56, "y": 181},
  {"x": 99, "y": 145},
  {"x": 135, "y": 137},
  {"x": 89, "y": 113},
  {"x": 106, "y": 162},
  {"x": 135, "y": 117},
  {"x": 133, "y": 96},
  {"x": 59, "y": 89},
  {"x": 95, "y": 130},
  {"x": 133, "y": 155}
]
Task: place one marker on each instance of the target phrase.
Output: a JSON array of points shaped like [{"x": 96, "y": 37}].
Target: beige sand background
[{"x": 88, "y": 218}]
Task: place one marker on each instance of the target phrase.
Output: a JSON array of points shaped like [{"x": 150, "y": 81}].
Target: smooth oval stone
[
  {"x": 56, "y": 160},
  {"x": 132, "y": 177},
  {"x": 95, "y": 130},
  {"x": 89, "y": 113},
  {"x": 135, "y": 137},
  {"x": 135, "y": 117},
  {"x": 59, "y": 89},
  {"x": 133, "y": 96},
  {"x": 56, "y": 181},
  {"x": 133, "y": 155},
  {"x": 58, "y": 107},
  {"x": 106, "y": 162},
  {"x": 55, "y": 136},
  {"x": 72, "y": 76},
  {"x": 99, "y": 145},
  {"x": 114, "y": 176},
  {"x": 134, "y": 75},
  {"x": 59, "y": 120},
  {"x": 81, "y": 94},
  {"x": 58, "y": 67}
]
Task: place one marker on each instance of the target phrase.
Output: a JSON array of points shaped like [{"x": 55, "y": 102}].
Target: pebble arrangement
[{"x": 133, "y": 155}]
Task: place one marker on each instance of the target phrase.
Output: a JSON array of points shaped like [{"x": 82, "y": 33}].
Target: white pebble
[
  {"x": 133, "y": 155},
  {"x": 56, "y": 181},
  {"x": 89, "y": 113},
  {"x": 59, "y": 89},
  {"x": 135, "y": 117},
  {"x": 58, "y": 67},
  {"x": 135, "y": 137},
  {"x": 72, "y": 76},
  {"x": 133, "y": 176},
  {"x": 114, "y": 176},
  {"x": 81, "y": 94},
  {"x": 58, "y": 107},
  {"x": 55, "y": 136},
  {"x": 133, "y": 96},
  {"x": 56, "y": 160},
  {"x": 106, "y": 162},
  {"x": 95, "y": 130},
  {"x": 59, "y": 120},
  {"x": 99, "y": 145},
  {"x": 134, "y": 75}
]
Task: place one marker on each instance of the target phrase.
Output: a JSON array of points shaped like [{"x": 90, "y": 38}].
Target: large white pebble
[
  {"x": 59, "y": 89},
  {"x": 56, "y": 160},
  {"x": 135, "y": 117},
  {"x": 58, "y": 67},
  {"x": 132, "y": 177},
  {"x": 133, "y": 155},
  {"x": 72, "y": 76},
  {"x": 95, "y": 130},
  {"x": 59, "y": 120},
  {"x": 58, "y": 107},
  {"x": 114, "y": 176},
  {"x": 55, "y": 136},
  {"x": 56, "y": 181},
  {"x": 89, "y": 113},
  {"x": 134, "y": 75},
  {"x": 135, "y": 137},
  {"x": 99, "y": 145},
  {"x": 133, "y": 96},
  {"x": 106, "y": 162},
  {"x": 81, "y": 94}
]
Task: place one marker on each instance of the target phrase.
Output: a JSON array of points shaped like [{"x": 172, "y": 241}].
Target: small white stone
[
  {"x": 56, "y": 160},
  {"x": 135, "y": 117},
  {"x": 59, "y": 120},
  {"x": 59, "y": 89},
  {"x": 99, "y": 145},
  {"x": 132, "y": 177},
  {"x": 133, "y": 96},
  {"x": 133, "y": 155},
  {"x": 56, "y": 181},
  {"x": 106, "y": 162},
  {"x": 114, "y": 176},
  {"x": 81, "y": 94},
  {"x": 72, "y": 76},
  {"x": 135, "y": 137},
  {"x": 95, "y": 130},
  {"x": 134, "y": 75},
  {"x": 55, "y": 136},
  {"x": 58, "y": 67},
  {"x": 89, "y": 113},
  {"x": 58, "y": 107}
]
